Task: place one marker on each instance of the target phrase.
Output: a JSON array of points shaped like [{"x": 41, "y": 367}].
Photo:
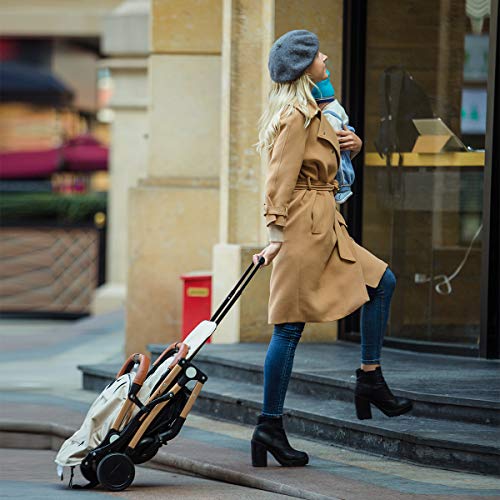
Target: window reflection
[{"x": 426, "y": 90}]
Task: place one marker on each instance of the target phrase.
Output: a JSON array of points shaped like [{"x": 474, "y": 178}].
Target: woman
[{"x": 319, "y": 273}]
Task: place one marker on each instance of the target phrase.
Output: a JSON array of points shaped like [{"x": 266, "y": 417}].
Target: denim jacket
[{"x": 345, "y": 175}]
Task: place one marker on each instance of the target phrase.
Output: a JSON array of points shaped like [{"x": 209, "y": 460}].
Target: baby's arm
[{"x": 333, "y": 121}]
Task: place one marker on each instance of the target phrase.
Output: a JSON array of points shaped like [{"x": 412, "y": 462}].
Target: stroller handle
[
  {"x": 142, "y": 371},
  {"x": 183, "y": 351}
]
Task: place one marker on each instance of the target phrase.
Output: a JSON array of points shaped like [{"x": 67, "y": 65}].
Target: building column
[
  {"x": 248, "y": 28},
  {"x": 125, "y": 41},
  {"x": 173, "y": 212}
]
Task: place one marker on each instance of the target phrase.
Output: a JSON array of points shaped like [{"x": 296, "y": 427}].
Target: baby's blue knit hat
[{"x": 324, "y": 88}]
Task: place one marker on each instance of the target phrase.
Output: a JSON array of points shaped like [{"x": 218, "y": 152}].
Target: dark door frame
[
  {"x": 489, "y": 339},
  {"x": 353, "y": 98}
]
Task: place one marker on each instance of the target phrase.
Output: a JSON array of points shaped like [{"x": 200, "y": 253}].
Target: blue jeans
[{"x": 286, "y": 336}]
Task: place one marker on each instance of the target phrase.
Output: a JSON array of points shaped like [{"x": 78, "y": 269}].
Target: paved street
[
  {"x": 30, "y": 474},
  {"x": 41, "y": 392}
]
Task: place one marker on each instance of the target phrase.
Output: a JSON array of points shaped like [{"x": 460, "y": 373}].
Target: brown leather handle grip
[
  {"x": 183, "y": 351},
  {"x": 142, "y": 371}
]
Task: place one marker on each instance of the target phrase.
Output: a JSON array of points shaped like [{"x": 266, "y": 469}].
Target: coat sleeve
[{"x": 284, "y": 167}]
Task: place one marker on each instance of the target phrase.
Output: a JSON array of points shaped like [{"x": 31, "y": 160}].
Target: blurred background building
[
  {"x": 176, "y": 90},
  {"x": 54, "y": 137}
]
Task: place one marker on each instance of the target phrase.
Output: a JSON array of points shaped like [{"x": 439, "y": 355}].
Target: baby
[{"x": 324, "y": 93}]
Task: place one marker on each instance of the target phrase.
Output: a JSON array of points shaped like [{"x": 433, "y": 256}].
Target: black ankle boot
[
  {"x": 371, "y": 388},
  {"x": 269, "y": 436}
]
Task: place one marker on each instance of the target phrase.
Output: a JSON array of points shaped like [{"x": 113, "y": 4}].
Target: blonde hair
[{"x": 282, "y": 98}]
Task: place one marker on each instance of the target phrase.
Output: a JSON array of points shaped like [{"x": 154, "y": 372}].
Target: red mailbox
[{"x": 197, "y": 299}]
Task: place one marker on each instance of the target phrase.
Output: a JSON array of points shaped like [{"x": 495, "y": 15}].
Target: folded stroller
[{"x": 143, "y": 408}]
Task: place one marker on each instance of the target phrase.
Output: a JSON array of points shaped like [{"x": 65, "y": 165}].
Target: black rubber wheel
[
  {"x": 116, "y": 472},
  {"x": 88, "y": 472}
]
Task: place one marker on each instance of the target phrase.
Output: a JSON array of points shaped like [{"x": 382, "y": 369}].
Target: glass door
[{"x": 425, "y": 124}]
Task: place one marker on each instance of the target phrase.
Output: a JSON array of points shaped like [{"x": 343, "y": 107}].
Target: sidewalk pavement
[
  {"x": 41, "y": 399},
  {"x": 149, "y": 484}
]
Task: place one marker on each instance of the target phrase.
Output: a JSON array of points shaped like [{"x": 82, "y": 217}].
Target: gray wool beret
[{"x": 292, "y": 54}]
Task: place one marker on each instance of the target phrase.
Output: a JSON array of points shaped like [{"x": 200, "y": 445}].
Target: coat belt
[
  {"x": 317, "y": 186},
  {"x": 343, "y": 240}
]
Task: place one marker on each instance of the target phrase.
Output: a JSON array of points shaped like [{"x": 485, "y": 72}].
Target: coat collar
[
  {"x": 326, "y": 132},
  {"x": 312, "y": 108}
]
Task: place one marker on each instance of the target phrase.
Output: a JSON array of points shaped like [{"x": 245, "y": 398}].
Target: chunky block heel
[
  {"x": 259, "y": 454},
  {"x": 371, "y": 389},
  {"x": 363, "y": 409},
  {"x": 269, "y": 436}
]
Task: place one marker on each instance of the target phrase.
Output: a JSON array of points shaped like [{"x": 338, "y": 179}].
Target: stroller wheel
[
  {"x": 116, "y": 472},
  {"x": 88, "y": 472}
]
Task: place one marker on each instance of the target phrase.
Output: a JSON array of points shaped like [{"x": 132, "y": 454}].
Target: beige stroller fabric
[
  {"x": 108, "y": 404},
  {"x": 98, "y": 421}
]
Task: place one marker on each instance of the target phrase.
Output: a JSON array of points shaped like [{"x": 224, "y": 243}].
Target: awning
[{"x": 23, "y": 83}]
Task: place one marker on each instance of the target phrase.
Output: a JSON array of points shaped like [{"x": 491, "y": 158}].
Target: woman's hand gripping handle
[{"x": 269, "y": 253}]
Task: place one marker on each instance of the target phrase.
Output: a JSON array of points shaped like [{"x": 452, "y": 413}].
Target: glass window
[{"x": 426, "y": 90}]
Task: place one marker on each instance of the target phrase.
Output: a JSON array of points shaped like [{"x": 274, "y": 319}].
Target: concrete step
[
  {"x": 459, "y": 445},
  {"x": 435, "y": 442},
  {"x": 340, "y": 386},
  {"x": 97, "y": 377}
]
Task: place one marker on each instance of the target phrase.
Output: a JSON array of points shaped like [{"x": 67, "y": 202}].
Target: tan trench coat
[{"x": 320, "y": 273}]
